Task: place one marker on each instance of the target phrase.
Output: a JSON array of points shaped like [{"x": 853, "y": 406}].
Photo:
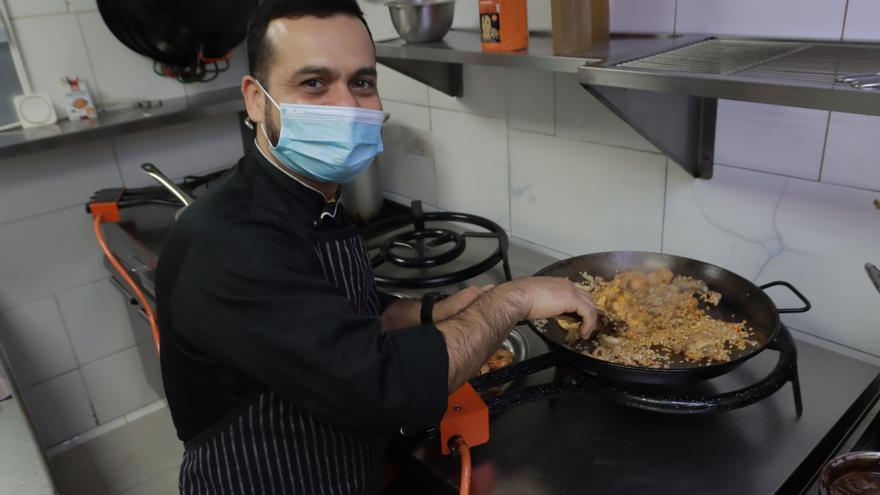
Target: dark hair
[{"x": 260, "y": 49}]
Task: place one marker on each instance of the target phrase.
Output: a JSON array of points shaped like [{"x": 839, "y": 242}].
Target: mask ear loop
[
  {"x": 259, "y": 85},
  {"x": 263, "y": 124}
]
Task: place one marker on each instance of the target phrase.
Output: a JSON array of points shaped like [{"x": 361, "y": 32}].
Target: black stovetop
[{"x": 589, "y": 444}]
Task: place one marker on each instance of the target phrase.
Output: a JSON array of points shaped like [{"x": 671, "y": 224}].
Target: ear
[{"x": 254, "y": 100}]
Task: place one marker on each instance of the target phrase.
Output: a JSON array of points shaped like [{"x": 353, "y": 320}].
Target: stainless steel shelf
[
  {"x": 463, "y": 47},
  {"x": 681, "y": 126},
  {"x": 439, "y": 64},
  {"x": 792, "y": 73},
  {"x": 114, "y": 123},
  {"x": 667, "y": 87}
]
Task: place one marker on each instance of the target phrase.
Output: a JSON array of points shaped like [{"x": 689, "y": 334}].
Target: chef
[{"x": 286, "y": 371}]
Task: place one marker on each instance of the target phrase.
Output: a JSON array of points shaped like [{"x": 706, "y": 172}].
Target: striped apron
[{"x": 268, "y": 445}]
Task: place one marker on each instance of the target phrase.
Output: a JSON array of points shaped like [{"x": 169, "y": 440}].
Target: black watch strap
[{"x": 426, "y": 313}]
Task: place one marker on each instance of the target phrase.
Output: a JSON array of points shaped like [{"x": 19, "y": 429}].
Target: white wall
[
  {"x": 63, "y": 327},
  {"x": 793, "y": 188},
  {"x": 791, "y": 198}
]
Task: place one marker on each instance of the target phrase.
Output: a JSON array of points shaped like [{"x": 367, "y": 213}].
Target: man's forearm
[{"x": 475, "y": 333}]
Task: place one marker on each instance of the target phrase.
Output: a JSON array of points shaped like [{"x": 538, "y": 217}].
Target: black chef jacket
[{"x": 277, "y": 373}]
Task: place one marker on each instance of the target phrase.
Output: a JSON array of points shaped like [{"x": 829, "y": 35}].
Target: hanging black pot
[{"x": 147, "y": 29}]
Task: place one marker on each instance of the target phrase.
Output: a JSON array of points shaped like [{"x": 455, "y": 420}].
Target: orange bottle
[{"x": 504, "y": 25}]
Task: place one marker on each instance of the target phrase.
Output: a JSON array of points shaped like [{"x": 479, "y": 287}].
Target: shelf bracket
[
  {"x": 445, "y": 77},
  {"x": 681, "y": 126}
]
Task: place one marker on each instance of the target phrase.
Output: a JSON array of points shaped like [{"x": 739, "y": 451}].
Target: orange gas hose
[
  {"x": 99, "y": 234},
  {"x": 465, "y": 453}
]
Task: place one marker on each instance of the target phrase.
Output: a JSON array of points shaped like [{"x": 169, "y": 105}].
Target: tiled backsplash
[
  {"x": 532, "y": 150},
  {"x": 580, "y": 180}
]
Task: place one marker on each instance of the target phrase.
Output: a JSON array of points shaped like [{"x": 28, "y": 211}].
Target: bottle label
[{"x": 490, "y": 28}]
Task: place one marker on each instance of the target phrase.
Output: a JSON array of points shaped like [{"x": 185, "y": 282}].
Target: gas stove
[
  {"x": 586, "y": 438},
  {"x": 557, "y": 429}
]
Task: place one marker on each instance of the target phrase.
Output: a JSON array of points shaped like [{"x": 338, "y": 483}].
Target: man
[{"x": 285, "y": 369}]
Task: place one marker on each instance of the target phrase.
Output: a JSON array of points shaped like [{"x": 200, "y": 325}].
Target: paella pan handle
[{"x": 800, "y": 296}]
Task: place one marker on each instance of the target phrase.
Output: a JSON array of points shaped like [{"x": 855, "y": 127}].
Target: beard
[{"x": 273, "y": 133}]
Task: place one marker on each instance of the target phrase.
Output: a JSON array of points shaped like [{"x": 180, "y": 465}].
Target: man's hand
[
  {"x": 477, "y": 331},
  {"x": 546, "y": 297}
]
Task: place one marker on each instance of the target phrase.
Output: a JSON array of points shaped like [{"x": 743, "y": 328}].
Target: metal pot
[
  {"x": 421, "y": 21},
  {"x": 853, "y": 473},
  {"x": 362, "y": 197}
]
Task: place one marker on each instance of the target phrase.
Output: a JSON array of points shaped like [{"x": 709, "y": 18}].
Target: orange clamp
[{"x": 467, "y": 416}]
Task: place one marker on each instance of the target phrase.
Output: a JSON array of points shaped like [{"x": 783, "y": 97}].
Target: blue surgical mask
[{"x": 326, "y": 143}]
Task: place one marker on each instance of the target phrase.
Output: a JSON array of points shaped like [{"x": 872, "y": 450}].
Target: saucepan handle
[{"x": 800, "y": 296}]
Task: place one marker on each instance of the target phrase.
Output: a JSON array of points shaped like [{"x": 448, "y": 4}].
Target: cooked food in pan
[
  {"x": 658, "y": 317},
  {"x": 501, "y": 358}
]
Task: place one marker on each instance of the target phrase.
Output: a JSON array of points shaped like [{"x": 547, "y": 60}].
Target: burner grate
[
  {"x": 569, "y": 380},
  {"x": 427, "y": 245}
]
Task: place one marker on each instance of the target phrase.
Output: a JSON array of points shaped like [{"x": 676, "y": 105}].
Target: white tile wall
[
  {"x": 59, "y": 408},
  {"x": 407, "y": 165},
  {"x": 23, "y": 8},
  {"x": 49, "y": 58},
  {"x": 470, "y": 154},
  {"x": 396, "y": 87},
  {"x": 540, "y": 18},
  {"x": 117, "y": 385},
  {"x": 581, "y": 116},
  {"x": 467, "y": 15},
  {"x": 727, "y": 221},
  {"x": 42, "y": 182},
  {"x": 852, "y": 151},
  {"x": 770, "y": 138},
  {"x": 379, "y": 19},
  {"x": 122, "y": 75},
  {"x": 82, "y": 5},
  {"x": 485, "y": 92},
  {"x": 46, "y": 255},
  {"x": 643, "y": 16},
  {"x": 777, "y": 19},
  {"x": 861, "y": 20},
  {"x": 96, "y": 334},
  {"x": 585, "y": 197},
  {"x": 530, "y": 101},
  {"x": 830, "y": 221},
  {"x": 36, "y": 343},
  {"x": 179, "y": 150},
  {"x": 844, "y": 301}
]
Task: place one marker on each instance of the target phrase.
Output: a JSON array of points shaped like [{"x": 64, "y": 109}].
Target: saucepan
[
  {"x": 154, "y": 172},
  {"x": 740, "y": 300}
]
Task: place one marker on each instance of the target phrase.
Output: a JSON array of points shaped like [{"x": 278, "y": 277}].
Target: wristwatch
[{"x": 427, "y": 311}]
